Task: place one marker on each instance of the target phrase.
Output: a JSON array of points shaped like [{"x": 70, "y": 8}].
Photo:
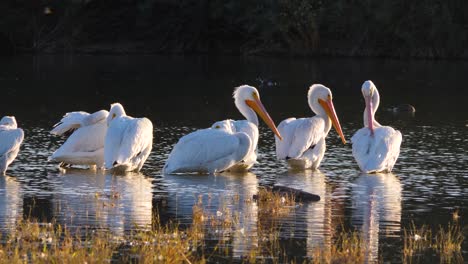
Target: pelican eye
[
  {"x": 254, "y": 95},
  {"x": 113, "y": 115},
  {"x": 217, "y": 126}
]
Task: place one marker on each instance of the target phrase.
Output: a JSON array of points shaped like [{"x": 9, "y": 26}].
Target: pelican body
[
  {"x": 303, "y": 145},
  {"x": 11, "y": 138},
  {"x": 375, "y": 147},
  {"x": 85, "y": 146},
  {"x": 128, "y": 141},
  {"x": 227, "y": 145}
]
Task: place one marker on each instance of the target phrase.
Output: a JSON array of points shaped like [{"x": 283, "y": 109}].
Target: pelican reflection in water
[
  {"x": 11, "y": 202},
  {"x": 228, "y": 190},
  {"x": 376, "y": 203},
  {"x": 314, "y": 219},
  {"x": 100, "y": 199}
]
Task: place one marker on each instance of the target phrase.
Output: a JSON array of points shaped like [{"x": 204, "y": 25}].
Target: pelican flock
[
  {"x": 11, "y": 138},
  {"x": 226, "y": 146},
  {"x": 118, "y": 142},
  {"x": 375, "y": 147},
  {"x": 303, "y": 144},
  {"x": 106, "y": 140}
]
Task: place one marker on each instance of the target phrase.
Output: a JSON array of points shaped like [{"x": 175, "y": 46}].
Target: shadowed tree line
[{"x": 396, "y": 28}]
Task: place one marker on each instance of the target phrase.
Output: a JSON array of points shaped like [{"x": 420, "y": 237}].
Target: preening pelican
[
  {"x": 11, "y": 138},
  {"x": 375, "y": 147},
  {"x": 228, "y": 145},
  {"x": 128, "y": 140},
  {"x": 303, "y": 145},
  {"x": 85, "y": 146}
]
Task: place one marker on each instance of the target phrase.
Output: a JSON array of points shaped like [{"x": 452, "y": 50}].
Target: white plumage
[
  {"x": 375, "y": 147},
  {"x": 249, "y": 128},
  {"x": 303, "y": 144},
  {"x": 85, "y": 146},
  {"x": 11, "y": 138},
  {"x": 226, "y": 146},
  {"x": 128, "y": 141}
]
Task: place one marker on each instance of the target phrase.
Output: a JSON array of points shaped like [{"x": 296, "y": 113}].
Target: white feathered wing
[
  {"x": 10, "y": 141},
  {"x": 128, "y": 143},
  {"x": 378, "y": 152},
  {"x": 85, "y": 146}
]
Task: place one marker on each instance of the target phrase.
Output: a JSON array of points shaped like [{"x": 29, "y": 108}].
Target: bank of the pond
[{"x": 37, "y": 242}]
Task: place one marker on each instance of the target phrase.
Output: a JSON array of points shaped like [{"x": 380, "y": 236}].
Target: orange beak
[
  {"x": 258, "y": 107},
  {"x": 330, "y": 110}
]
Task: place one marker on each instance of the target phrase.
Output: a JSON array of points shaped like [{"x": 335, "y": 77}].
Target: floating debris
[{"x": 403, "y": 108}]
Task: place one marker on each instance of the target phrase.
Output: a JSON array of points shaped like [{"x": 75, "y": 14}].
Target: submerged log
[{"x": 299, "y": 195}]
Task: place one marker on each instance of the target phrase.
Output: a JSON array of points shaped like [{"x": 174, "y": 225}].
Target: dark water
[{"x": 181, "y": 94}]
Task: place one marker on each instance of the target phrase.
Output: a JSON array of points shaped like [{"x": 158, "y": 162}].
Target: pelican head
[
  {"x": 246, "y": 99},
  {"x": 320, "y": 101},
  {"x": 371, "y": 97},
  {"x": 368, "y": 88},
  {"x": 116, "y": 110},
  {"x": 9, "y": 121},
  {"x": 225, "y": 125}
]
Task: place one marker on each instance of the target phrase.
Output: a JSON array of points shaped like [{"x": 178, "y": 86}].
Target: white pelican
[
  {"x": 228, "y": 145},
  {"x": 85, "y": 146},
  {"x": 303, "y": 145},
  {"x": 128, "y": 140},
  {"x": 11, "y": 138},
  {"x": 375, "y": 147}
]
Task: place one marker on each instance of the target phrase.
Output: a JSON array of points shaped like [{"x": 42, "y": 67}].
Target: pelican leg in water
[
  {"x": 226, "y": 146},
  {"x": 303, "y": 145},
  {"x": 375, "y": 147},
  {"x": 128, "y": 141},
  {"x": 85, "y": 145},
  {"x": 11, "y": 138}
]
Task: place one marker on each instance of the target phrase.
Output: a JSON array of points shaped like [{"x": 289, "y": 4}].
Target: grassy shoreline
[{"x": 31, "y": 241}]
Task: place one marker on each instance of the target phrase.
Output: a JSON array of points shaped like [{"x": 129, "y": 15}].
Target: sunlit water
[{"x": 429, "y": 181}]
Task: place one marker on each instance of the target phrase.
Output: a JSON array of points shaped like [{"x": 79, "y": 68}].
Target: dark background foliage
[{"x": 392, "y": 28}]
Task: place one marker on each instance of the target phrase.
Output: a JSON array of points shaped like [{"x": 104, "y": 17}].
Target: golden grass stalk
[
  {"x": 348, "y": 247},
  {"x": 415, "y": 240},
  {"x": 446, "y": 242}
]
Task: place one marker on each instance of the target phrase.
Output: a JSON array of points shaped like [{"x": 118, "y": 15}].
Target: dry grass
[
  {"x": 164, "y": 244},
  {"x": 446, "y": 243},
  {"x": 348, "y": 247},
  {"x": 416, "y": 239},
  {"x": 450, "y": 240},
  {"x": 32, "y": 242},
  {"x": 274, "y": 203}
]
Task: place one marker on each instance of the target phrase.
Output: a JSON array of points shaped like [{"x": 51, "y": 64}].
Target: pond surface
[{"x": 181, "y": 94}]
